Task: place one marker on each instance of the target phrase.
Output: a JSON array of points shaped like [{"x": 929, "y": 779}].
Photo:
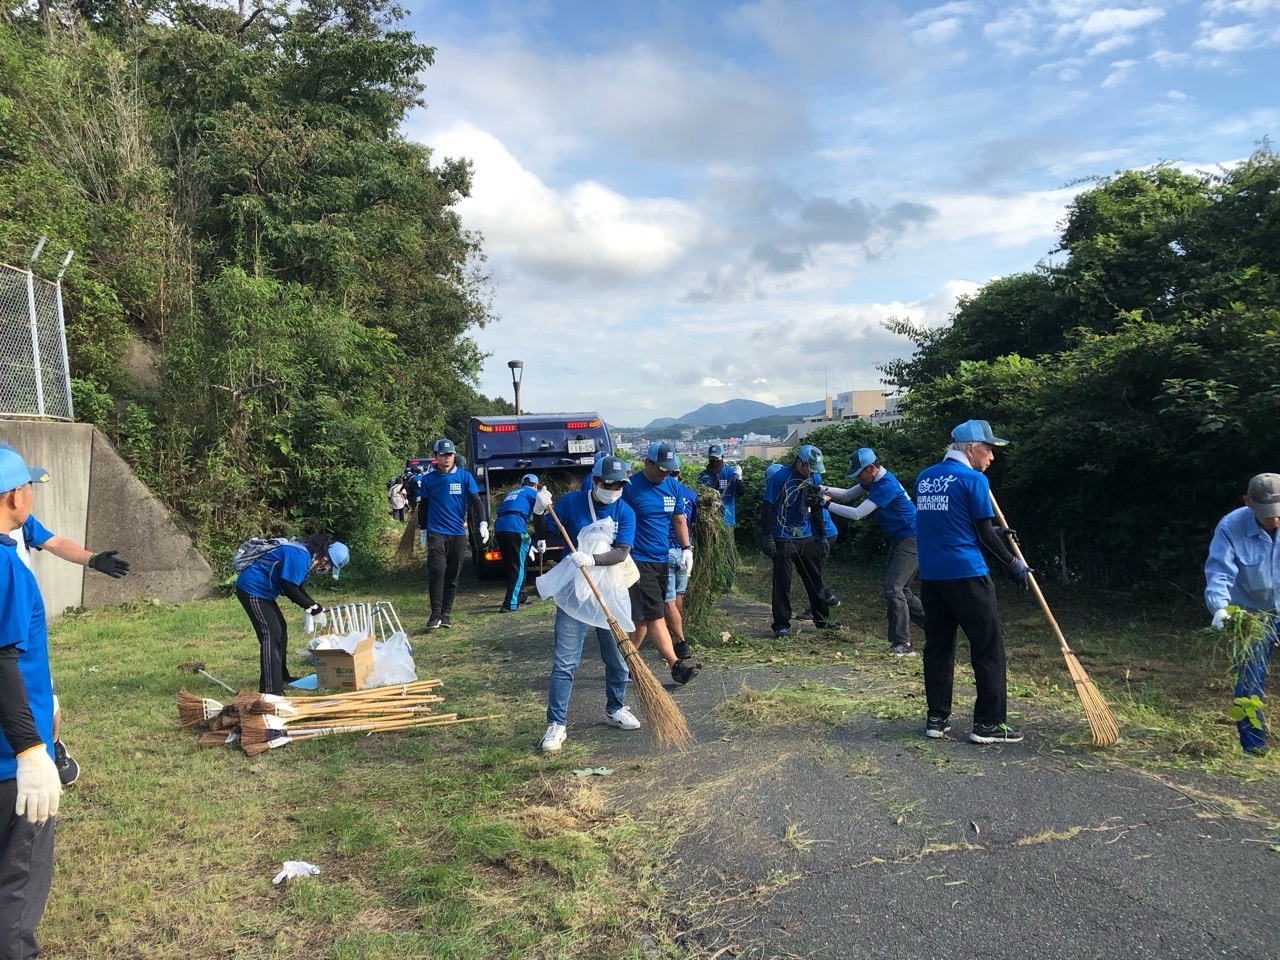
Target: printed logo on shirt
[
  {"x": 935, "y": 485},
  {"x": 510, "y": 496},
  {"x": 455, "y": 489},
  {"x": 669, "y": 504},
  {"x": 933, "y": 503}
]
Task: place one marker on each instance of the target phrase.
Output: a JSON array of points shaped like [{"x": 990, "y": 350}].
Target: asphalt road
[{"x": 869, "y": 840}]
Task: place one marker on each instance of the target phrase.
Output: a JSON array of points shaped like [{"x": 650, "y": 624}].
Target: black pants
[
  {"x": 273, "y": 641},
  {"x": 970, "y": 604},
  {"x": 807, "y": 557},
  {"x": 26, "y": 873},
  {"x": 514, "y": 547},
  {"x": 444, "y": 564}
]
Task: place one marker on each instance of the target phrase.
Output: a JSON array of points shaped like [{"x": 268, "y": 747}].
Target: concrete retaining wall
[{"x": 93, "y": 498}]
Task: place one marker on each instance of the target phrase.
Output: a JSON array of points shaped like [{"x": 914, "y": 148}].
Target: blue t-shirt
[
  {"x": 34, "y": 532},
  {"x": 690, "y": 514},
  {"x": 515, "y": 509},
  {"x": 789, "y": 494},
  {"x": 894, "y": 511},
  {"x": 726, "y": 481},
  {"x": 950, "y": 496},
  {"x": 446, "y": 496},
  {"x": 263, "y": 578},
  {"x": 829, "y": 525},
  {"x": 22, "y": 625},
  {"x": 575, "y": 513},
  {"x": 654, "y": 504}
]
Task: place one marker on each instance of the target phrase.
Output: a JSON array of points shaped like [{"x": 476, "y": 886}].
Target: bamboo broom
[
  {"x": 254, "y": 749},
  {"x": 668, "y": 723},
  {"x": 1102, "y": 723}
]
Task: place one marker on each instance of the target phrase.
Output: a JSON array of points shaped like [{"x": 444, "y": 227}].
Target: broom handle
[
  {"x": 1031, "y": 579},
  {"x": 582, "y": 570}
]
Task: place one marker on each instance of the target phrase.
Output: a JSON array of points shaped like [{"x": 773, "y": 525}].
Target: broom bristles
[
  {"x": 404, "y": 549},
  {"x": 665, "y": 719},
  {"x": 193, "y": 710},
  {"x": 254, "y": 749},
  {"x": 215, "y": 739},
  {"x": 1102, "y": 723}
]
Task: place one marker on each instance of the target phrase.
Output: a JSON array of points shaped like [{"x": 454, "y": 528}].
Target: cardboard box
[{"x": 345, "y": 671}]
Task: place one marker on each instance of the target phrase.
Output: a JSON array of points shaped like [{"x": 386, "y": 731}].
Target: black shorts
[{"x": 648, "y": 592}]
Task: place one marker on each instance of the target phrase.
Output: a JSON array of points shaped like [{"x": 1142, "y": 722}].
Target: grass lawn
[{"x": 464, "y": 842}]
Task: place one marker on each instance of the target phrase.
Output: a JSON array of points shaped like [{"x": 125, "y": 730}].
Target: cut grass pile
[{"x": 459, "y": 842}]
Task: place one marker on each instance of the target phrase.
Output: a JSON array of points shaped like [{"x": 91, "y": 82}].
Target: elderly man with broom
[
  {"x": 602, "y": 512},
  {"x": 1243, "y": 571},
  {"x": 30, "y": 789},
  {"x": 954, "y": 513}
]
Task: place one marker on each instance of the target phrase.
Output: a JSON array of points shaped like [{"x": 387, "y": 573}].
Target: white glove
[
  {"x": 1220, "y": 618},
  {"x": 543, "y": 503},
  {"x": 540, "y": 546},
  {"x": 422, "y": 539},
  {"x": 686, "y": 561},
  {"x": 296, "y": 868},
  {"x": 737, "y": 472},
  {"x": 484, "y": 531},
  {"x": 533, "y": 553},
  {"x": 581, "y": 559},
  {"x": 39, "y": 788},
  {"x": 308, "y": 623}
]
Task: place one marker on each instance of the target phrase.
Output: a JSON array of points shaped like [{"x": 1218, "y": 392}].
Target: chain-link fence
[{"x": 35, "y": 379}]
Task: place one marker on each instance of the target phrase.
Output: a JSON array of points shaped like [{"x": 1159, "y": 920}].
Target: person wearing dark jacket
[
  {"x": 283, "y": 570},
  {"x": 30, "y": 789}
]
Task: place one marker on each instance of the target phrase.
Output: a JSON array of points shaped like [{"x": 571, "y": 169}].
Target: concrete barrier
[{"x": 94, "y": 499}]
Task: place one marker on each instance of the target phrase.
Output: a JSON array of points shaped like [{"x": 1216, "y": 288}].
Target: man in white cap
[
  {"x": 30, "y": 789},
  {"x": 893, "y": 510},
  {"x": 953, "y": 525},
  {"x": 1243, "y": 570}
]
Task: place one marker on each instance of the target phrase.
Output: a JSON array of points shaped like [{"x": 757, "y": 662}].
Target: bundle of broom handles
[
  {"x": 666, "y": 720},
  {"x": 1102, "y": 723}
]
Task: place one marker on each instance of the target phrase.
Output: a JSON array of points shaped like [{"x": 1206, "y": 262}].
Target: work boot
[{"x": 682, "y": 671}]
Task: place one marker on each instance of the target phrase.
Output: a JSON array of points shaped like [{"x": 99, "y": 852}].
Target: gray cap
[{"x": 1264, "y": 495}]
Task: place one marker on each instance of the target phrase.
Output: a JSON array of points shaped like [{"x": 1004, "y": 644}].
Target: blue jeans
[
  {"x": 1251, "y": 675},
  {"x": 570, "y": 635}
]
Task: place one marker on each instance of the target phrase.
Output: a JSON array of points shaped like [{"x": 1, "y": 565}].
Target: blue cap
[
  {"x": 663, "y": 456},
  {"x": 812, "y": 457},
  {"x": 976, "y": 431},
  {"x": 15, "y": 473},
  {"x": 859, "y": 460},
  {"x": 443, "y": 446},
  {"x": 716, "y": 451},
  {"x": 530, "y": 478},
  {"x": 339, "y": 555},
  {"x": 770, "y": 470},
  {"x": 611, "y": 469}
]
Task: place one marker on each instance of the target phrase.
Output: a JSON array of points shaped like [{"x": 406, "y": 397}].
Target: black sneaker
[
  {"x": 444, "y": 622},
  {"x": 832, "y": 601},
  {"x": 433, "y": 623},
  {"x": 936, "y": 727},
  {"x": 807, "y": 615},
  {"x": 682, "y": 671},
  {"x": 682, "y": 649},
  {"x": 781, "y": 633},
  {"x": 902, "y": 650},
  {"x": 995, "y": 733},
  {"x": 68, "y": 769},
  {"x": 828, "y": 624}
]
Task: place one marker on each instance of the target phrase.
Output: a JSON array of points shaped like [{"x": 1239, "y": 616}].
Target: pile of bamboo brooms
[{"x": 258, "y": 722}]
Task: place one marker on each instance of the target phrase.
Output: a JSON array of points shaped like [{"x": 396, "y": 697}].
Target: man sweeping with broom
[{"x": 599, "y": 516}]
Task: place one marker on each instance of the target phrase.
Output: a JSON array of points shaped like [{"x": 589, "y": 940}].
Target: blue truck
[{"x": 559, "y": 447}]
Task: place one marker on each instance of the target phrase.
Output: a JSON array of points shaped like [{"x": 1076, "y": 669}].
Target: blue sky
[{"x": 689, "y": 202}]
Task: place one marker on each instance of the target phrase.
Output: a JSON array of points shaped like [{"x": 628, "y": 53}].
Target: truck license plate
[{"x": 582, "y": 446}]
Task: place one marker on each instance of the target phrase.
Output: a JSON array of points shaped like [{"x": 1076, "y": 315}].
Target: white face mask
[{"x": 607, "y": 496}]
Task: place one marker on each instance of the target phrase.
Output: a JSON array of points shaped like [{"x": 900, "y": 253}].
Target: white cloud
[
  {"x": 585, "y": 230},
  {"x": 1120, "y": 71},
  {"x": 1015, "y": 220},
  {"x": 713, "y": 382},
  {"x": 1117, "y": 20},
  {"x": 940, "y": 31},
  {"x": 1239, "y": 36}
]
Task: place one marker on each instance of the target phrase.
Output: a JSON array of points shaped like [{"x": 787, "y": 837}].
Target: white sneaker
[
  {"x": 554, "y": 738},
  {"x": 624, "y": 719}
]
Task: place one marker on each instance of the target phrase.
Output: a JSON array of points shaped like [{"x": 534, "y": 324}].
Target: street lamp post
[{"x": 517, "y": 374}]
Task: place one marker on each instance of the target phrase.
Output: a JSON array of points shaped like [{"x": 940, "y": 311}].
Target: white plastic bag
[
  {"x": 570, "y": 588},
  {"x": 392, "y": 662}
]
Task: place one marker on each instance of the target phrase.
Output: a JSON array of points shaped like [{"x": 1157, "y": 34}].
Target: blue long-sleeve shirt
[{"x": 1243, "y": 568}]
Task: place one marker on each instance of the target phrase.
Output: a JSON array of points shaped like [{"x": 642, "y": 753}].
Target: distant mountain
[{"x": 737, "y": 411}]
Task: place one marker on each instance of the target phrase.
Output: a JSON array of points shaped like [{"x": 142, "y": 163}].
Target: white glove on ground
[
  {"x": 484, "y": 531},
  {"x": 296, "y": 868},
  {"x": 686, "y": 561},
  {"x": 581, "y": 559},
  {"x": 543, "y": 503},
  {"x": 1220, "y": 618},
  {"x": 39, "y": 788}
]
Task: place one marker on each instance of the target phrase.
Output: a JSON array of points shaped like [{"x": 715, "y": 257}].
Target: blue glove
[{"x": 1018, "y": 571}]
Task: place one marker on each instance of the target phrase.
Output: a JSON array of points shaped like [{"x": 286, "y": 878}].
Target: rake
[
  {"x": 668, "y": 723},
  {"x": 1102, "y": 723}
]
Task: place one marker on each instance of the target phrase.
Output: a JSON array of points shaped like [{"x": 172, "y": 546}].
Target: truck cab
[{"x": 559, "y": 447}]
